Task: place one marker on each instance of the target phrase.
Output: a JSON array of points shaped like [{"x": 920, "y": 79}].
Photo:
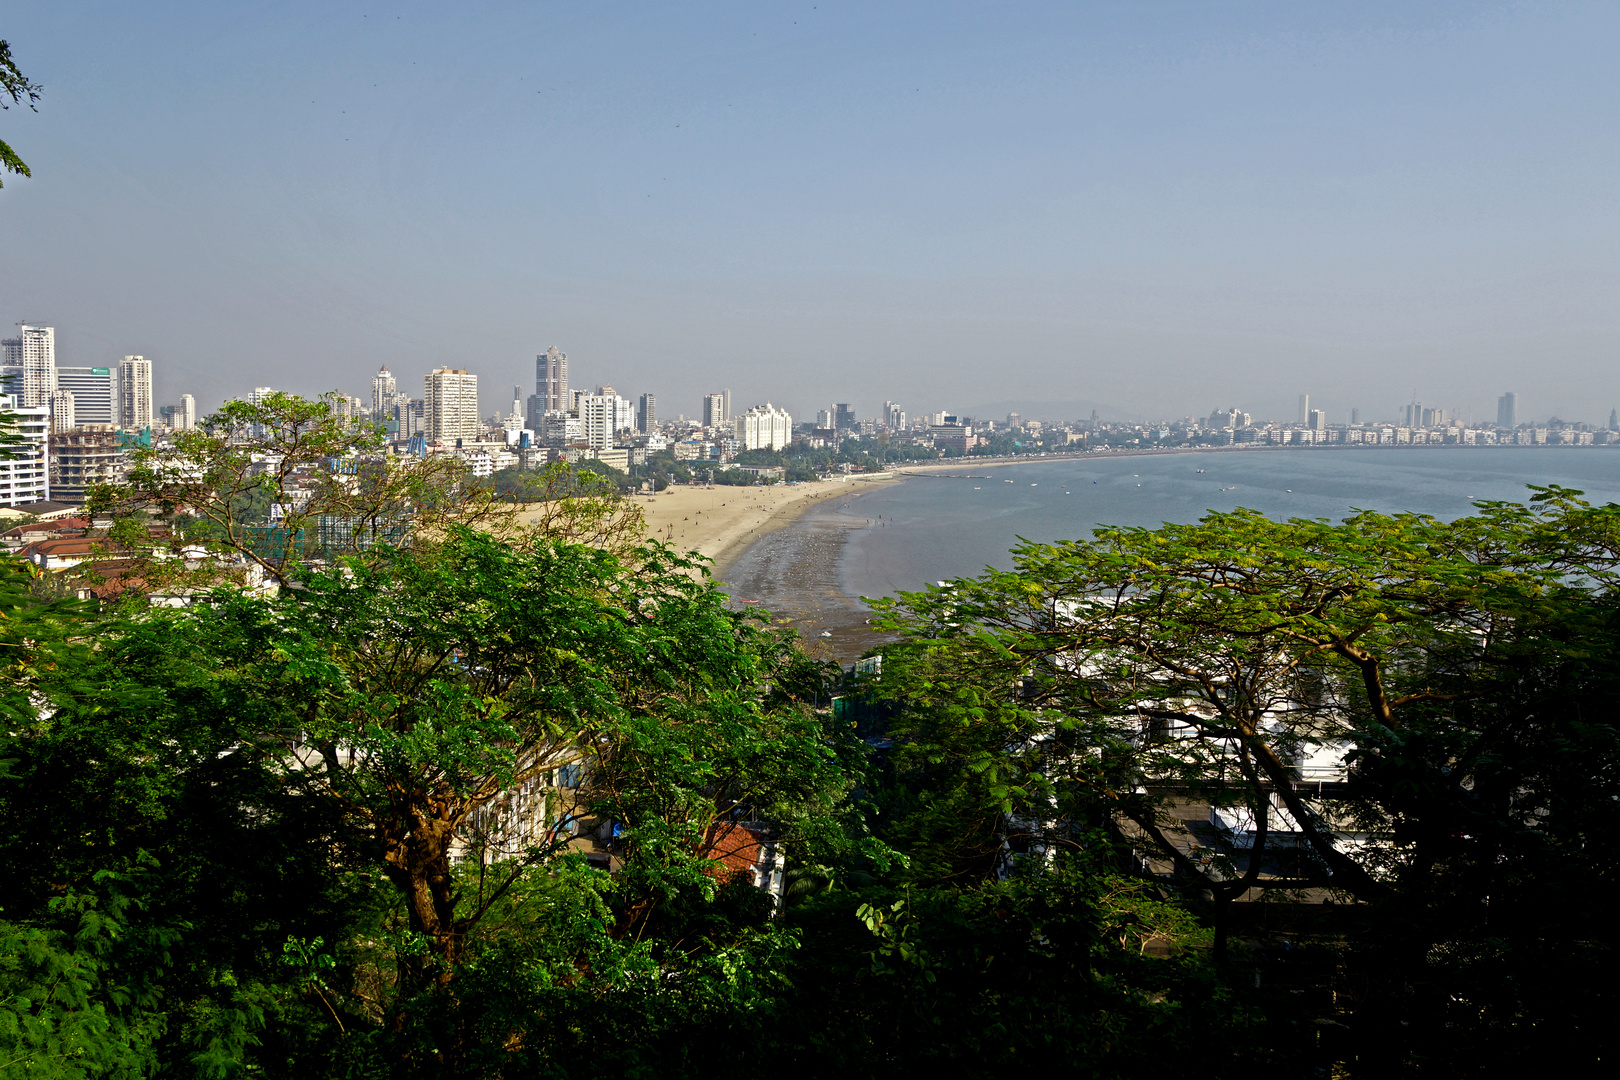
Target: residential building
[
  {"x": 1304, "y": 407},
  {"x": 450, "y": 405},
  {"x": 95, "y": 393},
  {"x": 843, "y": 416},
  {"x": 598, "y": 419},
  {"x": 558, "y": 429},
  {"x": 90, "y": 454},
  {"x": 188, "y": 412},
  {"x": 384, "y": 389},
  {"x": 135, "y": 392},
  {"x": 61, "y": 410},
  {"x": 1507, "y": 410},
  {"x": 714, "y": 410},
  {"x": 408, "y": 418},
  {"x": 894, "y": 420},
  {"x": 29, "y": 360},
  {"x": 764, "y": 428},
  {"x": 26, "y": 478},
  {"x": 647, "y": 415}
]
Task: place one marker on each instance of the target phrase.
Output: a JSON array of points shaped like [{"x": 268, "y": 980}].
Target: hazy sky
[{"x": 1156, "y": 208}]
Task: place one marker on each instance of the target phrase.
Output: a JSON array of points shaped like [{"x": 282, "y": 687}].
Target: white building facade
[
  {"x": 764, "y": 427},
  {"x": 450, "y": 405},
  {"x": 29, "y": 360},
  {"x": 26, "y": 477},
  {"x": 135, "y": 392}
]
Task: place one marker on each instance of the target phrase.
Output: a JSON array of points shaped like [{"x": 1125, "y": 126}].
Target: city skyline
[{"x": 1106, "y": 206}]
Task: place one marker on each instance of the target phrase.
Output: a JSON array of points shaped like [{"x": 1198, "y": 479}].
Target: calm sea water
[{"x": 930, "y": 528}]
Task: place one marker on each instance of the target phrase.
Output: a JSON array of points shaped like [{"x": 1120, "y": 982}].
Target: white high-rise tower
[
  {"x": 450, "y": 404},
  {"x": 135, "y": 392},
  {"x": 383, "y": 392},
  {"x": 31, "y": 358}
]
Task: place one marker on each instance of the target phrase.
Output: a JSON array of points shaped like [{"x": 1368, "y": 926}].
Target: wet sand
[{"x": 793, "y": 573}]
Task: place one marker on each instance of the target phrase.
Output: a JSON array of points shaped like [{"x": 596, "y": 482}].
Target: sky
[{"x": 1152, "y": 209}]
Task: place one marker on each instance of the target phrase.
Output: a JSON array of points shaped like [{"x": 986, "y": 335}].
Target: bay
[{"x": 932, "y": 526}]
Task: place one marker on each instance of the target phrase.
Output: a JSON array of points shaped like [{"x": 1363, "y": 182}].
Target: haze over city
[{"x": 1147, "y": 210}]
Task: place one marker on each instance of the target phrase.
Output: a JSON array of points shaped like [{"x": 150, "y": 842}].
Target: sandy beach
[{"x": 721, "y": 522}]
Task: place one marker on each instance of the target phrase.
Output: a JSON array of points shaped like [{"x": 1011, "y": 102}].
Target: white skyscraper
[
  {"x": 188, "y": 412},
  {"x": 135, "y": 392},
  {"x": 450, "y": 405},
  {"x": 30, "y": 363},
  {"x": 714, "y": 410},
  {"x": 1304, "y": 407},
  {"x": 62, "y": 412},
  {"x": 383, "y": 392},
  {"x": 599, "y": 418},
  {"x": 764, "y": 428}
]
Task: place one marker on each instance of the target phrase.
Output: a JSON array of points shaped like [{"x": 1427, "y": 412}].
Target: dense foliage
[{"x": 470, "y": 805}]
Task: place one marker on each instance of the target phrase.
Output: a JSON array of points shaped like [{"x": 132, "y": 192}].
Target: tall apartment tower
[
  {"x": 188, "y": 412},
  {"x": 384, "y": 388},
  {"x": 450, "y": 404},
  {"x": 25, "y": 475},
  {"x": 1304, "y": 407},
  {"x": 714, "y": 410},
  {"x": 1507, "y": 410},
  {"x": 726, "y": 393},
  {"x": 551, "y": 379},
  {"x": 135, "y": 392},
  {"x": 647, "y": 414},
  {"x": 31, "y": 360}
]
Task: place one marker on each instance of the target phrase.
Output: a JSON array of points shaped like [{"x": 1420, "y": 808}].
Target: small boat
[
  {"x": 1034, "y": 485},
  {"x": 826, "y": 633}
]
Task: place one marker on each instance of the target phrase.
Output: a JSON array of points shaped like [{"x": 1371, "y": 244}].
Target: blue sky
[{"x": 1154, "y": 208}]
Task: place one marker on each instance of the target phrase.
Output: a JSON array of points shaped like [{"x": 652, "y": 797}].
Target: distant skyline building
[
  {"x": 1304, "y": 407},
  {"x": 384, "y": 388},
  {"x": 647, "y": 414},
  {"x": 714, "y": 409},
  {"x": 764, "y": 427},
  {"x": 551, "y": 380},
  {"x": 188, "y": 412},
  {"x": 1507, "y": 410},
  {"x": 726, "y": 393},
  {"x": 598, "y": 416},
  {"x": 450, "y": 404},
  {"x": 135, "y": 392},
  {"x": 95, "y": 393},
  {"x": 29, "y": 360},
  {"x": 843, "y": 416}
]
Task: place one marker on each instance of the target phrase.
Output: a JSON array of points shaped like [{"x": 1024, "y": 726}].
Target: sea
[{"x": 935, "y": 526}]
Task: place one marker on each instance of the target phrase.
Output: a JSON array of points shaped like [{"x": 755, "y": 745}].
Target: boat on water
[{"x": 826, "y": 633}]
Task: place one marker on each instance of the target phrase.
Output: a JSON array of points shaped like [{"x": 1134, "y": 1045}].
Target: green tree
[
  {"x": 1451, "y": 669},
  {"x": 19, "y": 89}
]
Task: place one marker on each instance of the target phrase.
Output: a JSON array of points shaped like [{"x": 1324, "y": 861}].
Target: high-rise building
[
  {"x": 1507, "y": 410},
  {"x": 551, "y": 380},
  {"x": 1355, "y": 416},
  {"x": 894, "y": 421},
  {"x": 714, "y": 410},
  {"x": 1614, "y": 419},
  {"x": 95, "y": 393},
  {"x": 25, "y": 477},
  {"x": 598, "y": 419},
  {"x": 1316, "y": 420},
  {"x": 29, "y": 360},
  {"x": 1304, "y": 408},
  {"x": 135, "y": 392},
  {"x": 188, "y": 412},
  {"x": 450, "y": 404},
  {"x": 824, "y": 419},
  {"x": 407, "y": 417},
  {"x": 384, "y": 388},
  {"x": 764, "y": 428},
  {"x": 62, "y": 411},
  {"x": 647, "y": 415},
  {"x": 726, "y": 393},
  {"x": 843, "y": 416}
]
